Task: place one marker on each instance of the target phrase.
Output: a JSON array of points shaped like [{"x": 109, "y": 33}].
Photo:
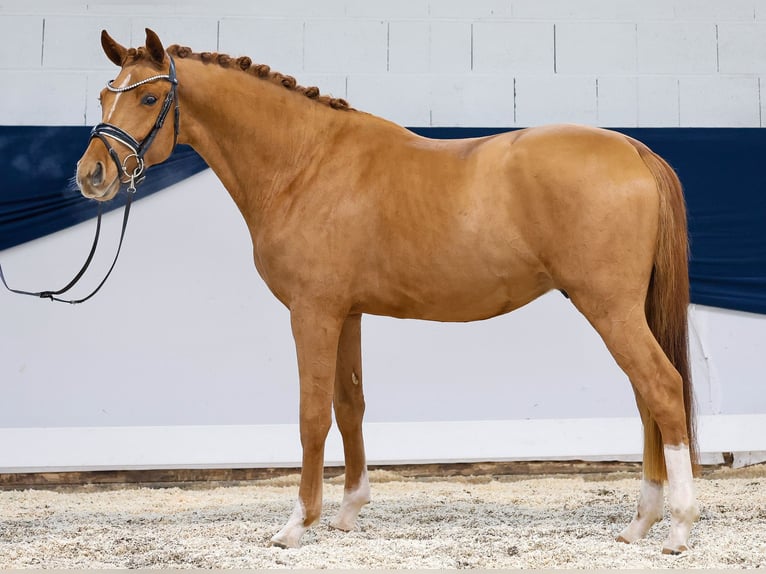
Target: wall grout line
[
  {"x": 717, "y": 52},
  {"x": 515, "y": 121},
  {"x": 598, "y": 120},
  {"x": 472, "y": 40},
  {"x": 42, "y": 45}
]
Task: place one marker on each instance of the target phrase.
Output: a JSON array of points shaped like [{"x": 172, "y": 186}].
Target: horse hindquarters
[{"x": 646, "y": 335}]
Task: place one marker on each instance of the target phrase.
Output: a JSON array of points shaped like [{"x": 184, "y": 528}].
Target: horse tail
[{"x": 667, "y": 304}]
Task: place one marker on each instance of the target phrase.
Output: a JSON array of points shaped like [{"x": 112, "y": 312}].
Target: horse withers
[{"x": 352, "y": 214}]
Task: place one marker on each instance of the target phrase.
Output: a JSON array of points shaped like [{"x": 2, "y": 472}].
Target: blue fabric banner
[
  {"x": 720, "y": 168},
  {"x": 38, "y": 195}
]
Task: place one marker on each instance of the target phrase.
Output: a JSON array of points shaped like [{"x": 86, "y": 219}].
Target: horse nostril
[{"x": 97, "y": 177}]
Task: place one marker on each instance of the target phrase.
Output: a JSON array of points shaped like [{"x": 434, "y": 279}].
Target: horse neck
[{"x": 257, "y": 136}]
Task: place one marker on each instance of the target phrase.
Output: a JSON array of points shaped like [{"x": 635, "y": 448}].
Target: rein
[{"x": 105, "y": 132}]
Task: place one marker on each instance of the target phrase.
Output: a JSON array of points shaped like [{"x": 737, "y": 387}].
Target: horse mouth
[{"x": 104, "y": 193}]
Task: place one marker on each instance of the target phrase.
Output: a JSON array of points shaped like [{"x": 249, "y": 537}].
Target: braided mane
[{"x": 246, "y": 65}]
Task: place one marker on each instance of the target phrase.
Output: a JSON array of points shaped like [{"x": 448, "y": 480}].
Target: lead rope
[
  {"x": 139, "y": 149},
  {"x": 53, "y": 295}
]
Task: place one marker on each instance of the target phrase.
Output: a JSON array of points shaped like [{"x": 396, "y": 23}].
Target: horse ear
[
  {"x": 114, "y": 51},
  {"x": 154, "y": 45}
]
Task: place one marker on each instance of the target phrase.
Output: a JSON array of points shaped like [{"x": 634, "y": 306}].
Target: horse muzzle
[{"x": 94, "y": 181}]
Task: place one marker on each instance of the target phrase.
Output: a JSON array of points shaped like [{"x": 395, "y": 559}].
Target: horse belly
[{"x": 466, "y": 284}]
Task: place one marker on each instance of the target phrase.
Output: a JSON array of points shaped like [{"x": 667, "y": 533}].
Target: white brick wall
[
  {"x": 509, "y": 48},
  {"x": 742, "y": 48},
  {"x": 658, "y": 101},
  {"x": 276, "y": 42},
  {"x": 346, "y": 46},
  {"x": 421, "y": 62},
  {"x": 677, "y": 48},
  {"x": 610, "y": 48},
  {"x": 733, "y": 100}
]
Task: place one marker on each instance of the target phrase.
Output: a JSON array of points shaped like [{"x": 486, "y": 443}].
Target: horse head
[{"x": 133, "y": 134}]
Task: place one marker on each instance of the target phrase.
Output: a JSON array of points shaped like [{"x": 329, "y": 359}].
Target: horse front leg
[
  {"x": 349, "y": 411},
  {"x": 316, "y": 341}
]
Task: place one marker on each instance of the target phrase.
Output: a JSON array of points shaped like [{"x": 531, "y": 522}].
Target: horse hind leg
[
  {"x": 349, "y": 410},
  {"x": 659, "y": 388}
]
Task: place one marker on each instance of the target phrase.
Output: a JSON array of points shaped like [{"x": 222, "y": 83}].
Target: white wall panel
[
  {"x": 403, "y": 98},
  {"x": 42, "y": 98},
  {"x": 409, "y": 47},
  {"x": 451, "y": 47},
  {"x": 617, "y": 101},
  {"x": 478, "y": 100},
  {"x": 21, "y": 40},
  {"x": 596, "y": 48},
  {"x": 346, "y": 46},
  {"x": 418, "y": 46},
  {"x": 742, "y": 48},
  {"x": 182, "y": 30},
  {"x": 388, "y": 9},
  {"x": 677, "y": 48},
  {"x": 717, "y": 10},
  {"x": 593, "y": 9},
  {"x": 276, "y": 42},
  {"x": 555, "y": 99},
  {"x": 476, "y": 9},
  {"x": 719, "y": 101},
  {"x": 73, "y": 42},
  {"x": 658, "y": 102},
  {"x": 513, "y": 47}
]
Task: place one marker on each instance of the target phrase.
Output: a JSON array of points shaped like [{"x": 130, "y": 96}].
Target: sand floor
[{"x": 473, "y": 522}]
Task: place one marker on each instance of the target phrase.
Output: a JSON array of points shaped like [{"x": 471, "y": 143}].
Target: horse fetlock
[
  {"x": 288, "y": 537},
  {"x": 648, "y": 513},
  {"x": 353, "y": 501},
  {"x": 682, "y": 519},
  {"x": 638, "y": 528},
  {"x": 292, "y": 532}
]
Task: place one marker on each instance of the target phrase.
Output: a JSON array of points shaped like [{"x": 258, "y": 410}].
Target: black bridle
[{"x": 106, "y": 132}]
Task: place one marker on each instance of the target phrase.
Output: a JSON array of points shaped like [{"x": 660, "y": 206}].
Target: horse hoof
[
  {"x": 622, "y": 539},
  {"x": 674, "y": 551},
  {"x": 284, "y": 542},
  {"x": 343, "y": 525},
  {"x": 289, "y": 537}
]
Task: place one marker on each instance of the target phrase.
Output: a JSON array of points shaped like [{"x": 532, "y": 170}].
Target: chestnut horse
[{"x": 351, "y": 214}]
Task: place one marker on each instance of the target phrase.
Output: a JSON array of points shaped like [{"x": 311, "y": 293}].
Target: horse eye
[{"x": 149, "y": 100}]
